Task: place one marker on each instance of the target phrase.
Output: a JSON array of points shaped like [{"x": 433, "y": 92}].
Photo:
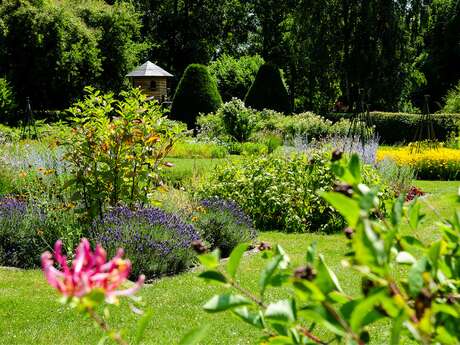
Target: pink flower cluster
[{"x": 89, "y": 270}]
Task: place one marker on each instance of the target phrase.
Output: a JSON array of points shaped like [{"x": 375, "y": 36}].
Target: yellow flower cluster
[{"x": 441, "y": 163}]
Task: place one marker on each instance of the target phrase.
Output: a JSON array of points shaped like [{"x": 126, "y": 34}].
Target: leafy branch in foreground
[{"x": 421, "y": 302}]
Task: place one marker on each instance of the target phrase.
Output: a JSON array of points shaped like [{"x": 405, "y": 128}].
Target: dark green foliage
[
  {"x": 7, "y": 101},
  {"x": 453, "y": 100},
  {"x": 395, "y": 128},
  {"x": 235, "y": 76},
  {"x": 50, "y": 50},
  {"x": 268, "y": 91},
  {"x": 196, "y": 93}
]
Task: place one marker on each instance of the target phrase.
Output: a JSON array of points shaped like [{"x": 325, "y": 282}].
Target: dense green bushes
[
  {"x": 400, "y": 127},
  {"x": 7, "y": 101},
  {"x": 453, "y": 100},
  {"x": 279, "y": 193},
  {"x": 196, "y": 93},
  {"x": 268, "y": 91},
  {"x": 234, "y": 122},
  {"x": 235, "y": 76}
]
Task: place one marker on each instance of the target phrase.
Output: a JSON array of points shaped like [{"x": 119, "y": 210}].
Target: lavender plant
[
  {"x": 21, "y": 231},
  {"x": 223, "y": 224},
  {"x": 157, "y": 242}
]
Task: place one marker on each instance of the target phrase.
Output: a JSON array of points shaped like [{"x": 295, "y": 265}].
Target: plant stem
[
  {"x": 105, "y": 327},
  {"x": 311, "y": 336}
]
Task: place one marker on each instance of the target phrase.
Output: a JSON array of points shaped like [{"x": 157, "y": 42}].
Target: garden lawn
[{"x": 31, "y": 314}]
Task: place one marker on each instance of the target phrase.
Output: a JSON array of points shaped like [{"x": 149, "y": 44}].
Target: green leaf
[
  {"x": 363, "y": 308},
  {"x": 347, "y": 207},
  {"x": 142, "y": 325},
  {"x": 311, "y": 252},
  {"x": 397, "y": 328},
  {"x": 254, "y": 319},
  {"x": 235, "y": 259},
  {"x": 405, "y": 258},
  {"x": 282, "y": 311},
  {"x": 194, "y": 336},
  {"x": 213, "y": 276},
  {"x": 415, "y": 277},
  {"x": 268, "y": 272},
  {"x": 355, "y": 168},
  {"x": 306, "y": 290},
  {"x": 414, "y": 215},
  {"x": 326, "y": 280},
  {"x": 210, "y": 260},
  {"x": 224, "y": 302},
  {"x": 397, "y": 211}
]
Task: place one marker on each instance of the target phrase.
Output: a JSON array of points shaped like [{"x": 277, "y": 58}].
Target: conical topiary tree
[
  {"x": 196, "y": 93},
  {"x": 268, "y": 91}
]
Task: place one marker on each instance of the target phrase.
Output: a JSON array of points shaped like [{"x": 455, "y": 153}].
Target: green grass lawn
[{"x": 31, "y": 314}]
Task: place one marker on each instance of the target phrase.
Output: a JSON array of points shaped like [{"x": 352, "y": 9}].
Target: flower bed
[{"x": 430, "y": 164}]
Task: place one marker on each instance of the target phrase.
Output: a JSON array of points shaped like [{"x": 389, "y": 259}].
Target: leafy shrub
[
  {"x": 26, "y": 229},
  {"x": 117, "y": 159},
  {"x": 395, "y": 128},
  {"x": 235, "y": 76},
  {"x": 430, "y": 164},
  {"x": 196, "y": 93},
  {"x": 253, "y": 149},
  {"x": 157, "y": 243},
  {"x": 192, "y": 149},
  {"x": 268, "y": 91},
  {"x": 453, "y": 100},
  {"x": 278, "y": 192},
  {"x": 7, "y": 101},
  {"x": 420, "y": 304},
  {"x": 222, "y": 224},
  {"x": 239, "y": 121}
]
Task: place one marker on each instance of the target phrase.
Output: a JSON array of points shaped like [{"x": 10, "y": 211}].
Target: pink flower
[{"x": 89, "y": 271}]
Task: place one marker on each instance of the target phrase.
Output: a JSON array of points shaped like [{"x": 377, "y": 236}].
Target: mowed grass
[{"x": 31, "y": 314}]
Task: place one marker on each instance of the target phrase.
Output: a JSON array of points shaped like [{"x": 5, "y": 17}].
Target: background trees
[{"x": 327, "y": 49}]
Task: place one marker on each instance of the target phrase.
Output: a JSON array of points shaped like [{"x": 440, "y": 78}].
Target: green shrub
[
  {"x": 118, "y": 159},
  {"x": 196, "y": 93},
  {"x": 453, "y": 100},
  {"x": 222, "y": 224},
  {"x": 279, "y": 193},
  {"x": 186, "y": 149},
  {"x": 7, "y": 101},
  {"x": 268, "y": 91},
  {"x": 239, "y": 121},
  {"x": 306, "y": 125},
  {"x": 235, "y": 76},
  {"x": 394, "y": 128}
]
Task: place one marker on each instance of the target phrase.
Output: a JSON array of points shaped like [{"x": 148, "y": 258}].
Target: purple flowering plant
[
  {"x": 223, "y": 224},
  {"x": 157, "y": 242}
]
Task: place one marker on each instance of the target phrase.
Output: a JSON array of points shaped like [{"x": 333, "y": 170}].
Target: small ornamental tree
[
  {"x": 196, "y": 93},
  {"x": 268, "y": 91}
]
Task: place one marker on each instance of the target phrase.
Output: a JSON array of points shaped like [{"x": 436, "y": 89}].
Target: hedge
[{"x": 401, "y": 127}]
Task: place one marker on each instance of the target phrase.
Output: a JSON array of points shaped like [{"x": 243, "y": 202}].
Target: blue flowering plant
[
  {"x": 157, "y": 242},
  {"x": 223, "y": 224}
]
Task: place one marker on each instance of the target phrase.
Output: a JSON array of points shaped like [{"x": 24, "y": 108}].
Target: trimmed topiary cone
[
  {"x": 268, "y": 91},
  {"x": 196, "y": 93}
]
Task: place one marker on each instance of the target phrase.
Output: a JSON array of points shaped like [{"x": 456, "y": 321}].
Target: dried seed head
[
  {"x": 336, "y": 155},
  {"x": 348, "y": 231},
  {"x": 199, "y": 247},
  {"x": 344, "y": 189},
  {"x": 264, "y": 246},
  {"x": 306, "y": 273}
]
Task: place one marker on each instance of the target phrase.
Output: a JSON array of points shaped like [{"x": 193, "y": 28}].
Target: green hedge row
[{"x": 401, "y": 127}]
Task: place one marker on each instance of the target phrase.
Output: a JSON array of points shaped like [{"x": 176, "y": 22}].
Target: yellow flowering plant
[{"x": 430, "y": 163}]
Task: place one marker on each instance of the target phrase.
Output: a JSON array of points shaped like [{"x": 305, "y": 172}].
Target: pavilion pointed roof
[{"x": 149, "y": 69}]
